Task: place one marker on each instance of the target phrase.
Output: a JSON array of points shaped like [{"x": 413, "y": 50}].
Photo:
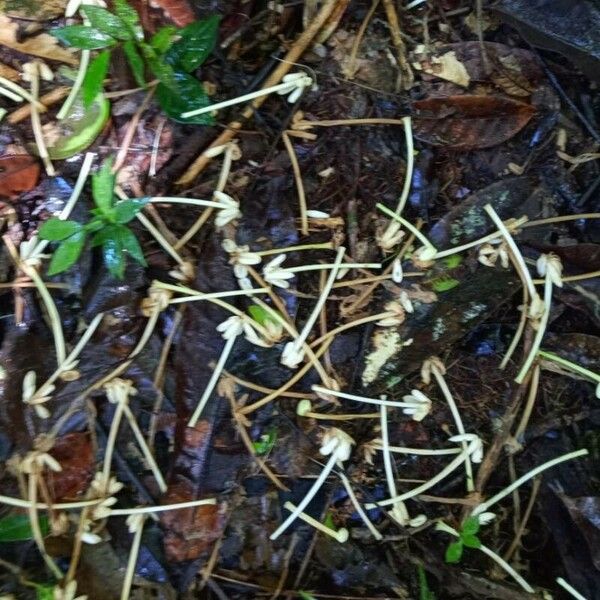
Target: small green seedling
[
  {"x": 424, "y": 592},
  {"x": 107, "y": 228},
  {"x": 468, "y": 538},
  {"x": 170, "y": 55},
  {"x": 266, "y": 442}
]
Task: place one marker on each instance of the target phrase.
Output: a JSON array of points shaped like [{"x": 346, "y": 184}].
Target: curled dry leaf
[
  {"x": 42, "y": 45},
  {"x": 469, "y": 122},
  {"x": 18, "y": 173}
]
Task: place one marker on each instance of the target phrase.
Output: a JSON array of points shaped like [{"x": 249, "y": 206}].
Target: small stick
[
  {"x": 299, "y": 184},
  {"x": 47, "y": 100}
]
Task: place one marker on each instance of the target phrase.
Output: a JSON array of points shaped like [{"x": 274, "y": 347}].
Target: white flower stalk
[
  {"x": 74, "y": 5},
  {"x": 474, "y": 447},
  {"x": 341, "y": 535},
  {"x": 495, "y": 557},
  {"x": 428, "y": 251},
  {"x": 417, "y": 408},
  {"x": 66, "y": 592},
  {"x": 484, "y": 506},
  {"x": 377, "y": 444},
  {"x": 359, "y": 509},
  {"x": 299, "y": 248},
  {"x": 570, "y": 589},
  {"x": 399, "y": 511},
  {"x": 338, "y": 445},
  {"x": 240, "y": 257},
  {"x": 292, "y": 84},
  {"x": 304, "y": 409},
  {"x": 230, "y": 329},
  {"x": 32, "y": 72},
  {"x": 135, "y": 524},
  {"x": 229, "y": 209},
  {"x": 293, "y": 352},
  {"x": 573, "y": 367},
  {"x": 550, "y": 267},
  {"x": 434, "y": 366}
]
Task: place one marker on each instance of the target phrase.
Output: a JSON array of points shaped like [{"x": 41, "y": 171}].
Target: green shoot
[
  {"x": 467, "y": 539},
  {"x": 106, "y": 228},
  {"x": 424, "y": 592}
]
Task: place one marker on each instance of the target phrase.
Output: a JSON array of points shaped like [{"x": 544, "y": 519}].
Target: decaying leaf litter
[{"x": 299, "y": 300}]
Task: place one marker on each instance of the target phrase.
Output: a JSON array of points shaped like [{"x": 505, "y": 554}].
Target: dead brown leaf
[{"x": 18, "y": 173}]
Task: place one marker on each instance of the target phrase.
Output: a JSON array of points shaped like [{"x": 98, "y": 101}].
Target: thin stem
[
  {"x": 142, "y": 510},
  {"x": 520, "y": 261},
  {"x": 504, "y": 565},
  {"x": 531, "y": 396},
  {"x": 308, "y": 497},
  {"x": 112, "y": 437},
  {"x": 36, "y": 124},
  {"x": 484, "y": 506},
  {"x": 323, "y": 246},
  {"x": 359, "y": 509},
  {"x": 22, "y": 92},
  {"x": 334, "y": 417},
  {"x": 457, "y": 420},
  {"x": 408, "y": 225},
  {"x": 378, "y": 401},
  {"x": 84, "y": 62},
  {"x": 132, "y": 560},
  {"x": 419, "y": 451},
  {"x": 325, "y": 266},
  {"x": 569, "y": 365},
  {"x": 539, "y": 334},
  {"x": 180, "y": 200},
  {"x": 410, "y": 163},
  {"x": 299, "y": 183},
  {"x": 340, "y": 535},
  {"x": 580, "y": 277},
  {"x": 520, "y": 328},
  {"x": 10, "y": 95},
  {"x": 399, "y": 507},
  {"x": 159, "y": 238},
  {"x": 214, "y": 378},
  {"x": 562, "y": 219},
  {"x": 345, "y": 326},
  {"x": 569, "y": 588}
]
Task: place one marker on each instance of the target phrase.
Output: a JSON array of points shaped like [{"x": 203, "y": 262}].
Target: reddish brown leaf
[
  {"x": 74, "y": 453},
  {"x": 190, "y": 531},
  {"x": 468, "y": 122},
  {"x": 178, "y": 11},
  {"x": 18, "y": 173}
]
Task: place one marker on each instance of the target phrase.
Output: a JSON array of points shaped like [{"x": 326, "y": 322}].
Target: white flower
[
  {"x": 292, "y": 356},
  {"x": 118, "y": 390},
  {"x": 486, "y": 517},
  {"x": 391, "y": 237},
  {"x": 229, "y": 210},
  {"x": 240, "y": 257},
  {"x": 297, "y": 83},
  {"x": 407, "y": 305},
  {"x": 336, "y": 441},
  {"x": 101, "y": 487},
  {"x": 421, "y": 405},
  {"x": 549, "y": 265},
  {"x": 427, "y": 367},
  {"x": 231, "y": 327},
  {"x": 35, "y": 461},
  {"x": 37, "y": 68},
  {"x": 397, "y": 272},
  {"x": 274, "y": 274},
  {"x": 488, "y": 255},
  {"x": 418, "y": 521},
  {"x": 475, "y": 447},
  {"x": 135, "y": 522},
  {"x": 424, "y": 254},
  {"x": 537, "y": 307},
  {"x": 317, "y": 214}
]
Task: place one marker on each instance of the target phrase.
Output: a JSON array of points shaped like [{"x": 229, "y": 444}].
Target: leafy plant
[
  {"x": 424, "y": 592},
  {"x": 266, "y": 442},
  {"x": 468, "y": 538},
  {"x": 17, "y": 528},
  {"x": 171, "y": 55},
  {"x": 107, "y": 228}
]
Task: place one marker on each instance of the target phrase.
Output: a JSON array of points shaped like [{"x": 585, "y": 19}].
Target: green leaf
[
  {"x": 195, "y": 44},
  {"x": 444, "y": 283},
  {"x": 106, "y": 22},
  {"x": 264, "y": 316},
  {"x": 470, "y": 540},
  {"x": 306, "y": 595},
  {"x": 84, "y": 37},
  {"x": 17, "y": 528},
  {"x": 112, "y": 253},
  {"x": 125, "y": 210},
  {"x": 161, "y": 40},
  {"x": 136, "y": 62},
  {"x": 131, "y": 245},
  {"x": 454, "y": 552},
  {"x": 94, "y": 77},
  {"x": 266, "y": 442},
  {"x": 67, "y": 253},
  {"x": 470, "y": 526},
  {"x": 80, "y": 128},
  {"x": 103, "y": 186},
  {"x": 44, "y": 591},
  {"x": 127, "y": 13},
  {"x": 108, "y": 232},
  {"x": 453, "y": 261},
  {"x": 328, "y": 522},
  {"x": 55, "y": 230},
  {"x": 185, "y": 93},
  {"x": 424, "y": 592}
]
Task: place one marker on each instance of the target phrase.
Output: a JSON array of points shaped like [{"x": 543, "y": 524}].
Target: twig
[{"x": 299, "y": 184}]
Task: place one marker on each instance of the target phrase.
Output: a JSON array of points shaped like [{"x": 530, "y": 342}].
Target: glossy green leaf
[
  {"x": 84, "y": 37},
  {"x": 444, "y": 283},
  {"x": 131, "y": 244},
  {"x": 470, "y": 540},
  {"x": 196, "y": 42},
  {"x": 454, "y": 552},
  {"x": 17, "y": 528},
  {"x": 106, "y": 22},
  {"x": 125, "y": 210},
  {"x": 67, "y": 253},
  {"x": 161, "y": 40},
  {"x": 264, "y": 316},
  {"x": 103, "y": 186},
  {"x": 80, "y": 128},
  {"x": 470, "y": 526},
  {"x": 136, "y": 63},
  {"x": 108, "y": 232},
  {"x": 44, "y": 592},
  {"x": 266, "y": 442},
  {"x": 55, "y": 230},
  {"x": 127, "y": 14},
  {"x": 112, "y": 254},
  {"x": 185, "y": 93},
  {"x": 94, "y": 77}
]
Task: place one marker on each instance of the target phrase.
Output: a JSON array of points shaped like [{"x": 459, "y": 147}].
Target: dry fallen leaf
[
  {"x": 8, "y": 72},
  {"x": 18, "y": 173},
  {"x": 446, "y": 66},
  {"x": 42, "y": 45}
]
